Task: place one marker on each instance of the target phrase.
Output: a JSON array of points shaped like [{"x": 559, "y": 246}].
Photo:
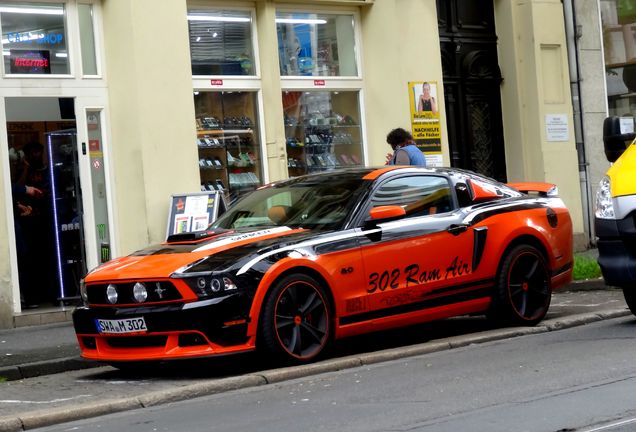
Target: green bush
[{"x": 585, "y": 268}]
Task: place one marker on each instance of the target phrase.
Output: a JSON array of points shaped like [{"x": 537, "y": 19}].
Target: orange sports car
[{"x": 301, "y": 262}]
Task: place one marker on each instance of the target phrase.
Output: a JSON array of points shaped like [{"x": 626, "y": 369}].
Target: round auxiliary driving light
[
  {"x": 215, "y": 285},
  {"x": 201, "y": 283},
  {"x": 140, "y": 293},
  {"x": 111, "y": 294}
]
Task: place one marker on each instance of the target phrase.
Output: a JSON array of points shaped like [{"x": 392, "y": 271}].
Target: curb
[
  {"x": 45, "y": 367},
  {"x": 36, "y": 419}
]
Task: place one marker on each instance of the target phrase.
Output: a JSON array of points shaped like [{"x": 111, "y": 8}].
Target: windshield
[{"x": 317, "y": 202}]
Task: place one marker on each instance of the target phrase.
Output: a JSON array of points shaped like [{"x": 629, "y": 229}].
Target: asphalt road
[
  {"x": 576, "y": 379},
  {"x": 62, "y": 397}
]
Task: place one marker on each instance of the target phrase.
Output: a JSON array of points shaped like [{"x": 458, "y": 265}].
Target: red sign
[
  {"x": 216, "y": 82},
  {"x": 319, "y": 82},
  {"x": 29, "y": 61},
  {"x": 180, "y": 205},
  {"x": 93, "y": 145}
]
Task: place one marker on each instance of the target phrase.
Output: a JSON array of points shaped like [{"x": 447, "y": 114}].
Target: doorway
[
  {"x": 472, "y": 79},
  {"x": 47, "y": 199}
]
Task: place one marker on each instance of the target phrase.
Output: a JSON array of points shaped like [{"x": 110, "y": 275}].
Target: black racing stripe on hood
[{"x": 163, "y": 249}]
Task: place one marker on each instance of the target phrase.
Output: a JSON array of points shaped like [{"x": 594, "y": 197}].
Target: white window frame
[
  {"x": 356, "y": 39},
  {"x": 332, "y": 83},
  {"x": 76, "y": 76},
  {"x": 98, "y": 37},
  {"x": 245, "y": 83},
  {"x": 241, "y": 80}
]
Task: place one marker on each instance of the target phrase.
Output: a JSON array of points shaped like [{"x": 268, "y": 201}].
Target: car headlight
[
  {"x": 140, "y": 293},
  {"x": 83, "y": 292},
  {"x": 604, "y": 203},
  {"x": 210, "y": 285},
  {"x": 111, "y": 294}
]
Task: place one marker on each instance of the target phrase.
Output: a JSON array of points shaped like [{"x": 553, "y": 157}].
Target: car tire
[
  {"x": 296, "y": 322},
  {"x": 522, "y": 291},
  {"x": 630, "y": 299}
]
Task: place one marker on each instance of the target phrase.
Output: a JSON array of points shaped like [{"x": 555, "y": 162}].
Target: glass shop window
[
  {"x": 221, "y": 42},
  {"x": 34, "y": 38},
  {"x": 316, "y": 44}
]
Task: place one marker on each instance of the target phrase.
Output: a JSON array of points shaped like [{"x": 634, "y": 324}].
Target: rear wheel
[
  {"x": 296, "y": 319},
  {"x": 630, "y": 299},
  {"x": 523, "y": 290}
]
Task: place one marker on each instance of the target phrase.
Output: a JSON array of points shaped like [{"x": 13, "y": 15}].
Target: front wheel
[
  {"x": 523, "y": 292},
  {"x": 630, "y": 299},
  {"x": 296, "y": 319}
]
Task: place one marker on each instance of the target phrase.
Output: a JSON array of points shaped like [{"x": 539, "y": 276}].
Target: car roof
[{"x": 373, "y": 173}]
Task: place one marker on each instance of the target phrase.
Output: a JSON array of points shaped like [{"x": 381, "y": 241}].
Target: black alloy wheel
[
  {"x": 630, "y": 298},
  {"x": 523, "y": 291},
  {"x": 296, "y": 319}
]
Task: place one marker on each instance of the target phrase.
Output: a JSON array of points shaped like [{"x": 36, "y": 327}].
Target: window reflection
[
  {"x": 316, "y": 44},
  {"x": 34, "y": 38}
]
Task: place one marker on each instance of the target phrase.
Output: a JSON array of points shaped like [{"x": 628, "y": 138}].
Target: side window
[{"x": 418, "y": 195}]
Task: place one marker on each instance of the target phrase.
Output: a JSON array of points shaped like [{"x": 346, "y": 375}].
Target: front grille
[
  {"x": 163, "y": 291},
  {"x": 137, "y": 341}
]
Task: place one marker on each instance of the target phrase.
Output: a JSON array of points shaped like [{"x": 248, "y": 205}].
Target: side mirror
[
  {"x": 614, "y": 140},
  {"x": 388, "y": 212}
]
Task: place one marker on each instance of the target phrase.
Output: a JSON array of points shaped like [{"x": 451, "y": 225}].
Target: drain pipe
[{"x": 572, "y": 36}]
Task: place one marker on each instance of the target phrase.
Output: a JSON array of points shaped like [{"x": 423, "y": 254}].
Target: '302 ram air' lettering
[{"x": 414, "y": 275}]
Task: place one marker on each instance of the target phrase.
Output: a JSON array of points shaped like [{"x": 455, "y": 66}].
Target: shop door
[
  {"x": 472, "y": 86},
  {"x": 67, "y": 212}
]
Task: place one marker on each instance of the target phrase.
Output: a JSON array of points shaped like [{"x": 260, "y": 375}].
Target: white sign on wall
[
  {"x": 627, "y": 125},
  {"x": 556, "y": 127}
]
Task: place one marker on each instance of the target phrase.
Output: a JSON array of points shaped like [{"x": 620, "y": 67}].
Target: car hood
[
  {"x": 160, "y": 261},
  {"x": 623, "y": 173}
]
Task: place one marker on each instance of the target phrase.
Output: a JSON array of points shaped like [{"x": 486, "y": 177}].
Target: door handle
[{"x": 456, "y": 229}]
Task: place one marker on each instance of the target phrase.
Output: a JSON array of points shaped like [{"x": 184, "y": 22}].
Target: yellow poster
[{"x": 425, "y": 122}]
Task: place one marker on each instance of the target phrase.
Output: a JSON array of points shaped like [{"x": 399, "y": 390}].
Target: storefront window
[
  {"x": 87, "y": 39},
  {"x": 228, "y": 141},
  {"x": 619, "y": 41},
  {"x": 316, "y": 44},
  {"x": 34, "y": 40},
  {"x": 221, "y": 42},
  {"x": 322, "y": 130}
]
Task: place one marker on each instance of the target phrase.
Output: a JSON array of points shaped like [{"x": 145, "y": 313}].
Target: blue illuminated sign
[{"x": 40, "y": 38}]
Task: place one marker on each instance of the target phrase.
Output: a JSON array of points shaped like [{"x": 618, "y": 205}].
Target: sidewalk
[{"x": 46, "y": 349}]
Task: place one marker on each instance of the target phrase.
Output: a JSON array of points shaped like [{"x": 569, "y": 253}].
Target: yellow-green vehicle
[{"x": 615, "y": 213}]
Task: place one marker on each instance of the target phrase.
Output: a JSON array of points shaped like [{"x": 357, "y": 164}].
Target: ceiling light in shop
[
  {"x": 218, "y": 18},
  {"x": 61, "y": 54},
  {"x": 300, "y": 21},
  {"x": 6, "y": 53},
  {"x": 35, "y": 11}
]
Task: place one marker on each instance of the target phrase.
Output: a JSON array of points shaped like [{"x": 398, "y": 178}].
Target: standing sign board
[{"x": 193, "y": 212}]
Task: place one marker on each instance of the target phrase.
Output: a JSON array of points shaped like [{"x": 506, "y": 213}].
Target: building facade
[{"x": 110, "y": 110}]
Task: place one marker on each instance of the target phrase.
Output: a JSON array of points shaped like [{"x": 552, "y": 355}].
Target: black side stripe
[
  {"x": 418, "y": 306},
  {"x": 563, "y": 269}
]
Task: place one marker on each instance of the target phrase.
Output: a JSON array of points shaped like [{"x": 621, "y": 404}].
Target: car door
[{"x": 422, "y": 258}]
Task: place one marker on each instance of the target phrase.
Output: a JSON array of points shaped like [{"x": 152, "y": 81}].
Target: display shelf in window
[
  {"x": 228, "y": 142},
  {"x": 322, "y": 131}
]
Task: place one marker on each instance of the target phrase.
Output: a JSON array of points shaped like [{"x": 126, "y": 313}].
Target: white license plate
[{"x": 121, "y": 326}]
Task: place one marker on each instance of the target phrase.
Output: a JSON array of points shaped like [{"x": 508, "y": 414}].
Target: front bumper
[
  {"x": 617, "y": 250},
  {"x": 174, "y": 331}
]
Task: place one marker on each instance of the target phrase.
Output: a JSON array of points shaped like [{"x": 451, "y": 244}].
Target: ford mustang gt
[{"x": 301, "y": 262}]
